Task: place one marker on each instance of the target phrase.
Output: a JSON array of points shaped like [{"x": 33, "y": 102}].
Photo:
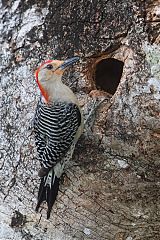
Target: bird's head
[{"x": 50, "y": 72}]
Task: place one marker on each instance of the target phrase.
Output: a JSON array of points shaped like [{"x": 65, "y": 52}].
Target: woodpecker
[{"x": 58, "y": 124}]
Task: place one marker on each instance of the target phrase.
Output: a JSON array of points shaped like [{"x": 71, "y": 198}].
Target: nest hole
[{"x": 108, "y": 74}]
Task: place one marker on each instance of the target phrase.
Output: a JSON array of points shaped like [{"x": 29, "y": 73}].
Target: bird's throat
[{"x": 56, "y": 91}]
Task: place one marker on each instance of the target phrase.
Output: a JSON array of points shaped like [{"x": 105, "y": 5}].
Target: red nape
[{"x": 43, "y": 92}]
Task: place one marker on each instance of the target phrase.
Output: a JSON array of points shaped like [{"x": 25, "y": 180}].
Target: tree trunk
[{"x": 112, "y": 186}]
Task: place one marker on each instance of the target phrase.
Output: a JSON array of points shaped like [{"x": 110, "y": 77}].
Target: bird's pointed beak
[{"x": 68, "y": 62}]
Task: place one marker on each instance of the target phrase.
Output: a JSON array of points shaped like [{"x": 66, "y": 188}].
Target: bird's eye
[{"x": 49, "y": 66}]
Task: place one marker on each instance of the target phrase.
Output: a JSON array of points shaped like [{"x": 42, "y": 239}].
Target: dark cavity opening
[{"x": 108, "y": 74}]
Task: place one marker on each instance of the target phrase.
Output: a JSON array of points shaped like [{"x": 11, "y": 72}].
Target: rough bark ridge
[{"x": 113, "y": 186}]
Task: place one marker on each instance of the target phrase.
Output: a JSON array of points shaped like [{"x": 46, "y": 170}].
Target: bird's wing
[{"x": 55, "y": 129}]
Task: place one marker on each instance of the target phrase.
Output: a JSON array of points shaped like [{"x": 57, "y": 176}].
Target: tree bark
[{"x": 112, "y": 186}]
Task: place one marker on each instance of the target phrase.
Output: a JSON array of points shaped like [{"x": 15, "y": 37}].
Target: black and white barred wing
[{"x": 55, "y": 128}]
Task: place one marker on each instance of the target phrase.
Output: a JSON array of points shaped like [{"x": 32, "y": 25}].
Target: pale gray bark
[{"x": 112, "y": 189}]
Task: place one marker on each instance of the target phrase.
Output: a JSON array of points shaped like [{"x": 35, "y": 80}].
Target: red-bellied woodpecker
[{"x": 58, "y": 124}]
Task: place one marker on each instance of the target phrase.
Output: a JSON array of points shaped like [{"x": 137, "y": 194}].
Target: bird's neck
[{"x": 57, "y": 92}]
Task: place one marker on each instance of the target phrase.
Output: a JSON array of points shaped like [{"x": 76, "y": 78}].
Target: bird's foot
[{"x": 64, "y": 179}]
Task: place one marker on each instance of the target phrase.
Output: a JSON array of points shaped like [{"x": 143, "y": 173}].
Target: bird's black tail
[{"x": 48, "y": 191}]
